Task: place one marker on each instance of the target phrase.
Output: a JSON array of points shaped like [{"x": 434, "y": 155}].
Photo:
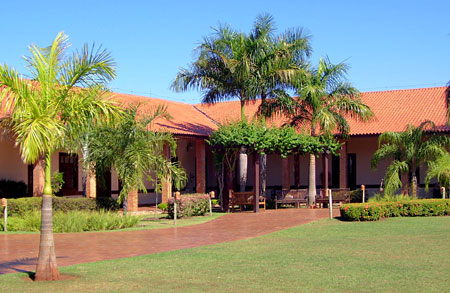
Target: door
[
  {"x": 351, "y": 159},
  {"x": 68, "y": 165}
]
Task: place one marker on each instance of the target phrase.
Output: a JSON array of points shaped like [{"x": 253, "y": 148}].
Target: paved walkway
[{"x": 19, "y": 252}]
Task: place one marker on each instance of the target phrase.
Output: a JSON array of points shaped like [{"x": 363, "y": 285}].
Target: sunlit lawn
[{"x": 398, "y": 254}]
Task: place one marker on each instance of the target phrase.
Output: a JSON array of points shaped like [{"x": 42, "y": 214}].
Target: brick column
[
  {"x": 91, "y": 185},
  {"x": 200, "y": 161},
  {"x": 133, "y": 201},
  {"x": 38, "y": 177},
  {"x": 343, "y": 167},
  {"x": 166, "y": 182},
  {"x": 285, "y": 174}
]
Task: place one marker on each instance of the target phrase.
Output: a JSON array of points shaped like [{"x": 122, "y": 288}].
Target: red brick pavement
[{"x": 18, "y": 252}]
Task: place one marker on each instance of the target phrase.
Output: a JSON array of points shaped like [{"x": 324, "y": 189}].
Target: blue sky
[{"x": 388, "y": 44}]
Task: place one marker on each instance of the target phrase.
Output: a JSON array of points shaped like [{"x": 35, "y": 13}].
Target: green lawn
[{"x": 397, "y": 254}]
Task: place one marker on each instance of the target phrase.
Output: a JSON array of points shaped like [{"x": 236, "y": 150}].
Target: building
[{"x": 191, "y": 125}]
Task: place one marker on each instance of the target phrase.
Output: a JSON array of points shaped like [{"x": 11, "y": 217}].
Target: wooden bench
[
  {"x": 339, "y": 196},
  {"x": 293, "y": 196},
  {"x": 244, "y": 198}
]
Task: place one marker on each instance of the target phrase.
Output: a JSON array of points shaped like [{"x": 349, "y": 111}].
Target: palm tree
[
  {"x": 408, "y": 149},
  {"x": 40, "y": 110},
  {"x": 134, "y": 151},
  {"x": 235, "y": 65},
  {"x": 325, "y": 100},
  {"x": 278, "y": 60}
]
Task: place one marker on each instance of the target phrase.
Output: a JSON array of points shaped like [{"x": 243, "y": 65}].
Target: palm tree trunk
[
  {"x": 312, "y": 175},
  {"x": 312, "y": 180},
  {"x": 243, "y": 161},
  {"x": 84, "y": 169},
  {"x": 47, "y": 269},
  {"x": 263, "y": 174},
  {"x": 405, "y": 183}
]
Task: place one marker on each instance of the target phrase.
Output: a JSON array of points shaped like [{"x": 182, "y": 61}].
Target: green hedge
[
  {"x": 412, "y": 208},
  {"x": 21, "y": 206},
  {"x": 190, "y": 205}
]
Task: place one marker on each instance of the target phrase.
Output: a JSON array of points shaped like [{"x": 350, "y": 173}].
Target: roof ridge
[{"x": 412, "y": 89}]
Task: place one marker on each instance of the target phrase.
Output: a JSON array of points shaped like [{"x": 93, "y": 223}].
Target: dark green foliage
[
  {"x": 189, "y": 205},
  {"x": 356, "y": 195},
  {"x": 12, "y": 189},
  {"x": 412, "y": 208},
  {"x": 22, "y": 206},
  {"x": 262, "y": 139}
]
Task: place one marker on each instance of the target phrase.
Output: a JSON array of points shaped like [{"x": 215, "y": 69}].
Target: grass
[
  {"x": 397, "y": 254},
  {"x": 161, "y": 222}
]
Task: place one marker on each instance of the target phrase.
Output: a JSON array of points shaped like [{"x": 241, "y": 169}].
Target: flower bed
[
  {"x": 412, "y": 208},
  {"x": 189, "y": 205}
]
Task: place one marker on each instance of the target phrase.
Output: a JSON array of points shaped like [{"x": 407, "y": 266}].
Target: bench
[
  {"x": 339, "y": 196},
  {"x": 244, "y": 198},
  {"x": 293, "y": 196}
]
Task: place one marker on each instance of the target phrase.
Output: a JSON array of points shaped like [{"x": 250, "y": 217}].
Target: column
[
  {"x": 91, "y": 185},
  {"x": 200, "y": 162},
  {"x": 133, "y": 201},
  {"x": 325, "y": 176}
]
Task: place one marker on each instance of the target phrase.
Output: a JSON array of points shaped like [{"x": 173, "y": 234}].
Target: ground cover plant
[
  {"x": 398, "y": 254},
  {"x": 74, "y": 221}
]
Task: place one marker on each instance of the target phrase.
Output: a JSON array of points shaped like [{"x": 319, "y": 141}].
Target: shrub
[
  {"x": 12, "y": 189},
  {"x": 356, "y": 195},
  {"x": 163, "y": 206},
  {"x": 74, "y": 221},
  {"x": 406, "y": 208},
  {"x": 189, "y": 205},
  {"x": 22, "y": 206}
]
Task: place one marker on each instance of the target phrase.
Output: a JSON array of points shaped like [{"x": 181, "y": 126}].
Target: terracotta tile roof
[
  {"x": 186, "y": 119},
  {"x": 393, "y": 110}
]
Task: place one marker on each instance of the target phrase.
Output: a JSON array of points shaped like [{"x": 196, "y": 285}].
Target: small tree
[{"x": 134, "y": 151}]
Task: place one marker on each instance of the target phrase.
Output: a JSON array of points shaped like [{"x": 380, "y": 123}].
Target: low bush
[
  {"x": 378, "y": 197},
  {"x": 12, "y": 189},
  {"x": 22, "y": 206},
  {"x": 356, "y": 195},
  {"x": 74, "y": 221},
  {"x": 406, "y": 208},
  {"x": 189, "y": 205},
  {"x": 163, "y": 206}
]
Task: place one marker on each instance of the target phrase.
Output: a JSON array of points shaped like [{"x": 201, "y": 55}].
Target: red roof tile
[
  {"x": 394, "y": 110},
  {"x": 186, "y": 119}
]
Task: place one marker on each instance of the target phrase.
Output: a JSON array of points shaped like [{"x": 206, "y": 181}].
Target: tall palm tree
[
  {"x": 134, "y": 151},
  {"x": 41, "y": 109},
  {"x": 233, "y": 65},
  {"x": 279, "y": 60},
  {"x": 408, "y": 149},
  {"x": 325, "y": 101}
]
